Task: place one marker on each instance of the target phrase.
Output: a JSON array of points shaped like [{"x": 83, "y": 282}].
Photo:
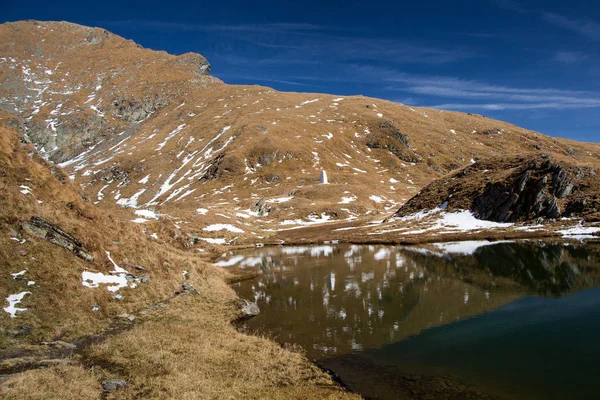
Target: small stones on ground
[
  {"x": 113, "y": 384},
  {"x": 128, "y": 317}
]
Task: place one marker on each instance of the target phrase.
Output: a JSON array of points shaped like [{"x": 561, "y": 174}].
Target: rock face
[
  {"x": 518, "y": 189},
  {"x": 39, "y": 227},
  {"x": 531, "y": 193},
  {"x": 135, "y": 110}
]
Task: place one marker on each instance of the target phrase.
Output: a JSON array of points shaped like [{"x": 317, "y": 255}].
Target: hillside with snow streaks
[{"x": 140, "y": 129}]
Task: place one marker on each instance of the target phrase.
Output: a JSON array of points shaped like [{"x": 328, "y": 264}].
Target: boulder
[
  {"x": 187, "y": 288},
  {"x": 247, "y": 308},
  {"x": 262, "y": 208},
  {"x": 111, "y": 385}
]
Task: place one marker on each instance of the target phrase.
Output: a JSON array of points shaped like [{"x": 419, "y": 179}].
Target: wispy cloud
[
  {"x": 481, "y": 95},
  {"x": 570, "y": 57},
  {"x": 511, "y": 6},
  {"x": 584, "y": 27},
  {"x": 294, "y": 41},
  {"x": 257, "y": 28},
  {"x": 511, "y": 106}
]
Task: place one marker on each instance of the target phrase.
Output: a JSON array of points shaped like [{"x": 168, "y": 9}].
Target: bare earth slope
[{"x": 145, "y": 130}]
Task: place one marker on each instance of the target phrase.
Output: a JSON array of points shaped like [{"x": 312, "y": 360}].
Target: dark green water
[{"x": 498, "y": 321}]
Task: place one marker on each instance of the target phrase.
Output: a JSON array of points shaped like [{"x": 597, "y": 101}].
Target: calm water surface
[{"x": 466, "y": 320}]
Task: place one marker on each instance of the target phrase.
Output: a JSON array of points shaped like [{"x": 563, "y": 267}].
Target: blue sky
[{"x": 533, "y": 63}]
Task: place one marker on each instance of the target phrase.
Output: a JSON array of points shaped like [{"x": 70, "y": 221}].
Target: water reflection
[{"x": 335, "y": 300}]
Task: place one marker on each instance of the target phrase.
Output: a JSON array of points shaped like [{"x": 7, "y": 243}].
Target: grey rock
[
  {"x": 128, "y": 317},
  {"x": 248, "y": 308},
  {"x": 262, "y": 208},
  {"x": 273, "y": 178},
  {"x": 187, "y": 288},
  {"x": 530, "y": 193},
  {"x": 135, "y": 110},
  {"x": 495, "y": 131},
  {"x": 74, "y": 134},
  {"x": 20, "y": 330},
  {"x": 44, "y": 229},
  {"x": 60, "y": 344},
  {"x": 111, "y": 385},
  {"x": 134, "y": 266},
  {"x": 223, "y": 165},
  {"x": 200, "y": 64}
]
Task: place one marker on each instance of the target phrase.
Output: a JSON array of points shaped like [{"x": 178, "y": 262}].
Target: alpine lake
[{"x": 462, "y": 320}]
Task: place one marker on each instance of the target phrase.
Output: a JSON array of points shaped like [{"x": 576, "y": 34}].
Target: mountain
[
  {"x": 156, "y": 133},
  {"x": 92, "y": 303},
  {"x": 125, "y": 171}
]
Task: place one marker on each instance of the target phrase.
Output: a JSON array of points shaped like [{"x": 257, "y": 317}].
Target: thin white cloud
[
  {"x": 511, "y": 106},
  {"x": 584, "y": 27},
  {"x": 570, "y": 57}
]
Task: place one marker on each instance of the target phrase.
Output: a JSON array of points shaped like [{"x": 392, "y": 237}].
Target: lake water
[{"x": 449, "y": 321}]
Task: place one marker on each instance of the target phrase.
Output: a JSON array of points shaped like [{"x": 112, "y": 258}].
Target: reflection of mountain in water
[
  {"x": 543, "y": 267},
  {"x": 339, "y": 299}
]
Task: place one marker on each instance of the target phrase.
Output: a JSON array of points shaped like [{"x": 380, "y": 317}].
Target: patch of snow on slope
[
  {"x": 17, "y": 274},
  {"x": 115, "y": 281},
  {"x": 144, "y": 180},
  {"x": 132, "y": 201},
  {"x": 579, "y": 230},
  {"x": 220, "y": 227},
  {"x": 346, "y": 200},
  {"x": 13, "y": 300},
  {"x": 147, "y": 214},
  {"x": 214, "y": 240},
  {"x": 306, "y": 102},
  {"x": 169, "y": 137}
]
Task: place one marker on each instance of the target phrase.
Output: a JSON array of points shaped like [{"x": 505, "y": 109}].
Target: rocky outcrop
[
  {"x": 262, "y": 208},
  {"x": 517, "y": 189},
  {"x": 390, "y": 138},
  {"x": 200, "y": 65},
  {"x": 41, "y": 228},
  {"x": 73, "y": 135},
  {"x": 134, "y": 110},
  {"x": 531, "y": 193},
  {"x": 223, "y": 165}
]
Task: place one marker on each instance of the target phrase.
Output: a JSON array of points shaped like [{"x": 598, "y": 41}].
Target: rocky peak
[{"x": 197, "y": 61}]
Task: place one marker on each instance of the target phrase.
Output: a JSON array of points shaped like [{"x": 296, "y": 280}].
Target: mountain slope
[
  {"x": 89, "y": 298},
  {"x": 141, "y": 129}
]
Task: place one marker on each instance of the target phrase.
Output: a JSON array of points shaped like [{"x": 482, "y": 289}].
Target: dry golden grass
[
  {"x": 55, "y": 383},
  {"x": 185, "y": 349},
  {"x": 192, "y": 351}
]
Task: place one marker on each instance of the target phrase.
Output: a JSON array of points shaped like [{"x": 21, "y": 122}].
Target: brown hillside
[
  {"x": 66, "y": 338},
  {"x": 142, "y": 129}
]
